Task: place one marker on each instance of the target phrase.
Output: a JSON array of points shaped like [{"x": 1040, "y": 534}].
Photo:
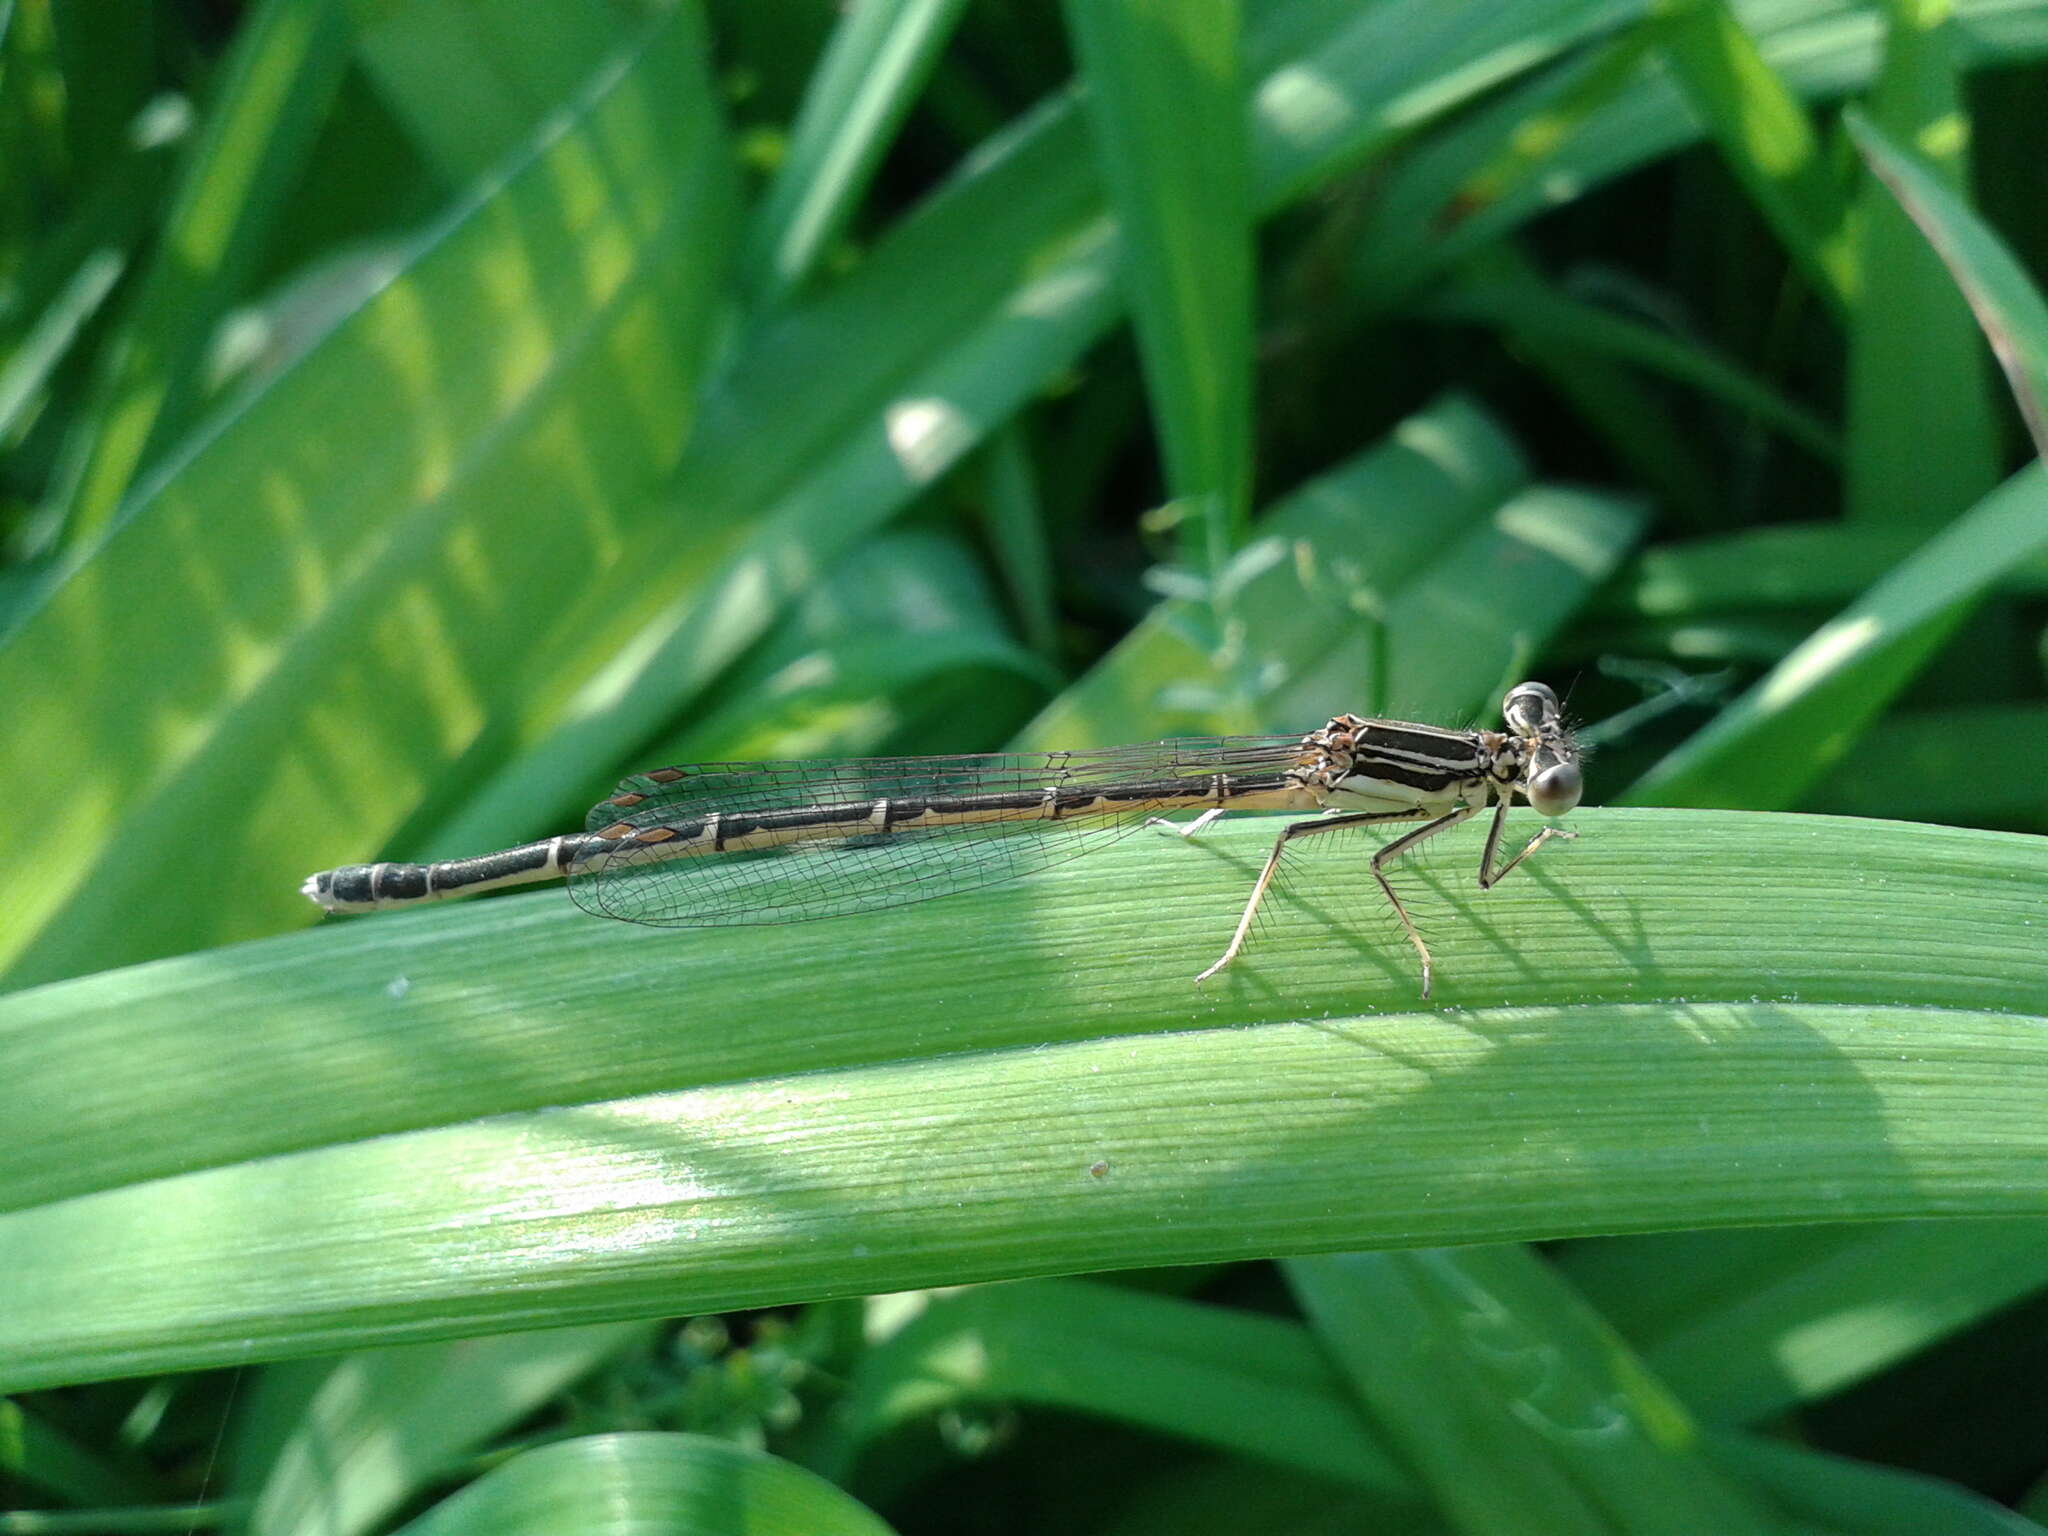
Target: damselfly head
[{"x": 1554, "y": 781}]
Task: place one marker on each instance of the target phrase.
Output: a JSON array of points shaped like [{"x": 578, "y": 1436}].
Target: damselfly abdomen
[{"x": 779, "y": 842}]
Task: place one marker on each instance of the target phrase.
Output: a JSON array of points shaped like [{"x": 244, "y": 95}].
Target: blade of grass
[
  {"x": 879, "y": 57},
  {"x": 1932, "y": 769},
  {"x": 1654, "y": 450},
  {"x": 1473, "y": 624},
  {"x": 1013, "y": 515},
  {"x": 1792, "y": 565},
  {"x": 49, "y": 339},
  {"x": 1051, "y": 1328},
  {"x": 1819, "y": 49},
  {"x": 1533, "y": 309},
  {"x": 1747, "y": 1326},
  {"x": 887, "y": 638},
  {"x": 334, "y": 1472},
  {"x": 1785, "y": 735},
  {"x": 1386, "y": 70},
  {"x": 472, "y": 81},
  {"x": 2008, "y": 306},
  {"x": 1511, "y": 1398},
  {"x": 1858, "y": 1498},
  {"x": 1165, "y": 101},
  {"x": 1764, "y": 135},
  {"x": 1245, "y": 1384},
  {"x": 37, "y": 1454},
  {"x": 251, "y": 146},
  {"x": 1919, "y": 406},
  {"x": 1576, "y": 89},
  {"x": 859, "y": 697},
  {"x": 624, "y": 1484}
]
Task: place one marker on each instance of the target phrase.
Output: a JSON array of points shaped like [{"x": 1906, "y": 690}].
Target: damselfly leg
[
  {"x": 1304, "y": 829},
  {"x": 1489, "y": 877}
]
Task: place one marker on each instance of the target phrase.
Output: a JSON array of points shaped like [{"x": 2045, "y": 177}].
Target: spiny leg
[
  {"x": 1394, "y": 850},
  {"x": 1488, "y": 875},
  {"x": 1293, "y": 830}
]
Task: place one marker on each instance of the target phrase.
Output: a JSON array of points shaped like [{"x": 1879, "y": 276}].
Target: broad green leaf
[
  {"x": 338, "y": 585},
  {"x": 1512, "y": 1400},
  {"x": 1043, "y": 1343},
  {"x": 1746, "y": 1325},
  {"x": 40, "y": 1455},
  {"x": 1676, "y": 1021},
  {"x": 1859, "y": 1498},
  {"x": 1249, "y": 1385},
  {"x": 2008, "y": 306},
  {"x": 402, "y": 1021},
  {"x": 1791, "y": 565},
  {"x": 628, "y": 1484},
  {"x": 1921, "y": 415},
  {"x": 1783, "y": 736},
  {"x": 367, "y": 1433},
  {"x": 250, "y": 149},
  {"x": 471, "y": 80},
  {"x": 1932, "y": 769},
  {"x": 877, "y": 61},
  {"x": 1165, "y": 101}
]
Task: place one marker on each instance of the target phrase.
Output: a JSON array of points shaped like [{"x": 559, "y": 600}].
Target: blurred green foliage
[{"x": 415, "y": 414}]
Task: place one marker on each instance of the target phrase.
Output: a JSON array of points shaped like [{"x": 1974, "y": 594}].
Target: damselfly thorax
[{"x": 775, "y": 842}]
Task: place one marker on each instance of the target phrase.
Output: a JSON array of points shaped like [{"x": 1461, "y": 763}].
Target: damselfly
[{"x": 783, "y": 842}]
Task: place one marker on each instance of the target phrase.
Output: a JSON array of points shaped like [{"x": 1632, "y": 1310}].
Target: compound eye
[
  {"x": 1556, "y": 790},
  {"x": 1528, "y": 706}
]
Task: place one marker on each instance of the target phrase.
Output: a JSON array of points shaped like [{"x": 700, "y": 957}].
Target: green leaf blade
[
  {"x": 990, "y": 1131},
  {"x": 1167, "y": 107}
]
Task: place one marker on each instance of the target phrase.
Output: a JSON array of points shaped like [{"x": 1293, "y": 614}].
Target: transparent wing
[{"x": 943, "y": 834}]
